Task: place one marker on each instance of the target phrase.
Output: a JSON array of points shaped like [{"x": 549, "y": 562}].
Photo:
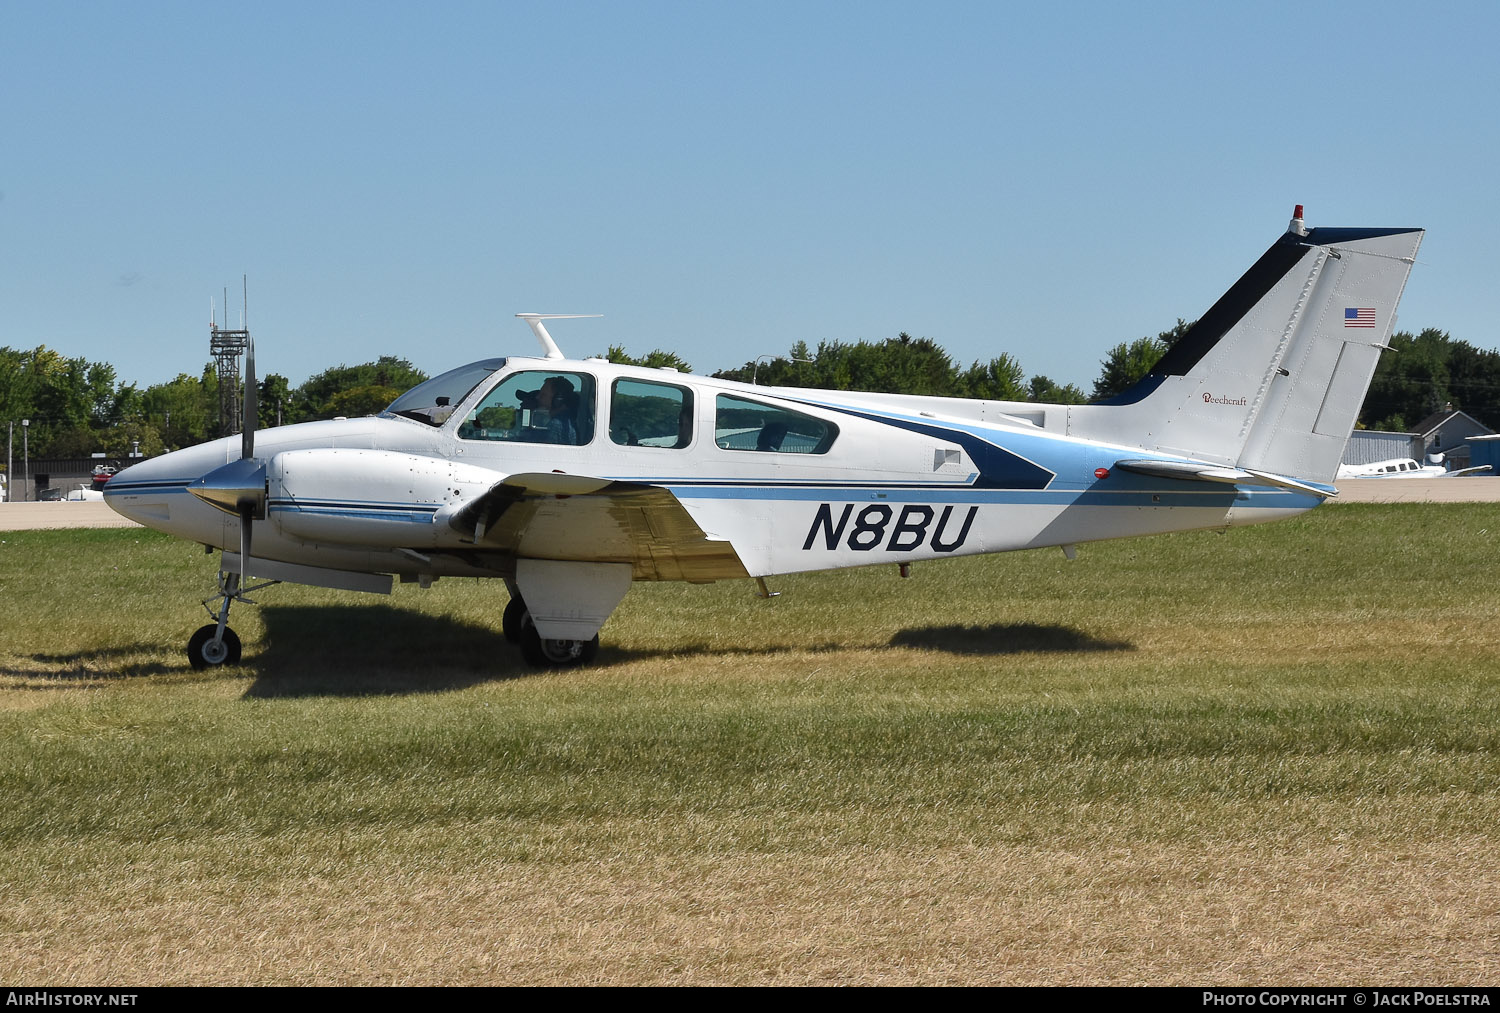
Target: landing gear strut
[{"x": 216, "y": 644}]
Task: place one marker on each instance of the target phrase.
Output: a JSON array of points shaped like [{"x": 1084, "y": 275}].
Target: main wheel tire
[
  {"x": 513, "y": 620},
  {"x": 203, "y": 652},
  {"x": 543, "y": 653}
]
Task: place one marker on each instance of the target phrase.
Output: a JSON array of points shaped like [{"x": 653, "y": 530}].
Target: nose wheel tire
[
  {"x": 204, "y": 652},
  {"x": 544, "y": 653}
]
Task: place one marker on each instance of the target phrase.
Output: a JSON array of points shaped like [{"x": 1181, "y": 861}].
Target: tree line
[
  {"x": 1417, "y": 375},
  {"x": 77, "y": 407}
]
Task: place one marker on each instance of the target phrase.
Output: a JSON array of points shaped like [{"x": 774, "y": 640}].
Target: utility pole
[
  {"x": 10, "y": 461},
  {"x": 26, "y": 455}
]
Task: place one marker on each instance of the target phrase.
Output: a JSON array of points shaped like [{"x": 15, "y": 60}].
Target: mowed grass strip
[{"x": 1241, "y": 757}]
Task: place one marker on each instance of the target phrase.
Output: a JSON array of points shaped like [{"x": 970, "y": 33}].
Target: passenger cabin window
[
  {"x": 535, "y": 407},
  {"x": 647, "y": 414},
  {"x": 741, "y": 424}
]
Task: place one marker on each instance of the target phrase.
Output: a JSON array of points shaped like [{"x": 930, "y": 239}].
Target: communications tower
[{"x": 227, "y": 346}]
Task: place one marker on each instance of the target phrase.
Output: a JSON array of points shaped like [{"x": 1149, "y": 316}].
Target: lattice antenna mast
[{"x": 227, "y": 346}]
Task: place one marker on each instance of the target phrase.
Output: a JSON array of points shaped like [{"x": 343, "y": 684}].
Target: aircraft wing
[
  {"x": 1467, "y": 471},
  {"x": 1200, "y": 472},
  {"x": 576, "y": 517}
]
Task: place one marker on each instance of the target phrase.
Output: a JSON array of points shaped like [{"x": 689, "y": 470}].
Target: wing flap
[{"x": 581, "y": 518}]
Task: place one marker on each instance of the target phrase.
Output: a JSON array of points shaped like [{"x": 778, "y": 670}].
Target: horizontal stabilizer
[{"x": 1193, "y": 471}]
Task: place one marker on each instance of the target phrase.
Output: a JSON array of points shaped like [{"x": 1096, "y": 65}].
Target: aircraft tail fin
[{"x": 1272, "y": 377}]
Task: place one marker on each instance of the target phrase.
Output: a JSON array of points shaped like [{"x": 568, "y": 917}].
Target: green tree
[
  {"x": 182, "y": 410},
  {"x": 1412, "y": 381},
  {"x": 1474, "y": 381},
  {"x": 1000, "y": 379},
  {"x": 654, "y": 359},
  {"x": 1175, "y": 333},
  {"x": 360, "y": 401},
  {"x": 274, "y": 397},
  {"x": 1047, "y": 391},
  {"x": 899, "y": 365},
  {"x": 65, "y": 399},
  {"x": 1127, "y": 363},
  {"x": 314, "y": 399}
]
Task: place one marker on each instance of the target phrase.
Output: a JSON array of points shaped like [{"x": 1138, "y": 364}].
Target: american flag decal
[{"x": 1363, "y": 316}]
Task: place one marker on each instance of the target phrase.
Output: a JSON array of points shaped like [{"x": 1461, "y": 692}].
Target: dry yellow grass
[{"x": 1425, "y": 914}]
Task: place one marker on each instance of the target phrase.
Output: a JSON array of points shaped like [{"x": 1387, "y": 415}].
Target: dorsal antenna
[{"x": 549, "y": 347}]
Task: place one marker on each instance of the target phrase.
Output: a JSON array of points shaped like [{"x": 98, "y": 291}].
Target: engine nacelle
[{"x": 367, "y": 497}]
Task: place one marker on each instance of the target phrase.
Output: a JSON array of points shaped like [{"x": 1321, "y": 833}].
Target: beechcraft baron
[{"x": 569, "y": 479}]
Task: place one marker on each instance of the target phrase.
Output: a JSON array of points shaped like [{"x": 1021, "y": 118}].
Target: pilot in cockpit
[{"x": 551, "y": 410}]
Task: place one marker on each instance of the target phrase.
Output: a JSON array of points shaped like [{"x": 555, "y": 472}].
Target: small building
[
  {"x": 1485, "y": 450},
  {"x": 55, "y": 477},
  {"x": 1447, "y": 433},
  {"x": 1366, "y": 446}
]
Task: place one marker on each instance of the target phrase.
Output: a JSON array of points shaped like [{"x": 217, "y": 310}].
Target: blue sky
[{"x": 719, "y": 180}]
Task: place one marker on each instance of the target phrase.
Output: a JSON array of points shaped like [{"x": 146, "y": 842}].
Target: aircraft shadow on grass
[
  {"x": 1000, "y": 639},
  {"x": 386, "y": 651},
  {"x": 365, "y": 650},
  {"x": 379, "y": 650},
  {"x": 92, "y": 665}
]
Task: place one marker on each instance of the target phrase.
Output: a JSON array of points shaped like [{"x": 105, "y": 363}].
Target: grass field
[{"x": 1271, "y": 756}]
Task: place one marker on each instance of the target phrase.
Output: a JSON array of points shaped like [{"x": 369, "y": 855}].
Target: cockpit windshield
[{"x": 434, "y": 401}]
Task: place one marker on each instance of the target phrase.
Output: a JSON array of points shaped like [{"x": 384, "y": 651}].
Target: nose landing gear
[{"x": 216, "y": 644}]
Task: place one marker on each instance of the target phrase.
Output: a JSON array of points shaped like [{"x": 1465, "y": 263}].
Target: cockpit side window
[
  {"x": 536, "y": 406},
  {"x": 647, "y": 414},
  {"x": 741, "y": 424},
  {"x": 434, "y": 401}
]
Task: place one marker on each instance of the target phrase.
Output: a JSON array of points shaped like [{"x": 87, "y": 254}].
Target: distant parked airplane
[{"x": 1404, "y": 467}]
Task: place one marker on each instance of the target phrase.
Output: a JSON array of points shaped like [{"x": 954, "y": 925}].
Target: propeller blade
[
  {"x": 252, "y": 404},
  {"x": 247, "y": 514},
  {"x": 252, "y": 396}
]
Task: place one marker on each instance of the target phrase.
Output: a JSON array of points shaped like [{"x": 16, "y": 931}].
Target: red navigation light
[{"x": 1101, "y": 473}]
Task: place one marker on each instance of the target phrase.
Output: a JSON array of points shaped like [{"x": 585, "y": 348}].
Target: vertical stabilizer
[
  {"x": 1312, "y": 399},
  {"x": 1272, "y": 377}
]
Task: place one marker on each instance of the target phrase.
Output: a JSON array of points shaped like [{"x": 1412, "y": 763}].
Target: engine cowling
[{"x": 378, "y": 498}]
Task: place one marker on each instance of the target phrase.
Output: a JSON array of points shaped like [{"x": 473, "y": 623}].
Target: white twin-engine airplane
[{"x": 569, "y": 479}]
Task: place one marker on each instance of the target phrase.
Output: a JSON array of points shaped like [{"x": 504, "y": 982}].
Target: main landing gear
[
  {"x": 540, "y": 651},
  {"x": 557, "y": 607},
  {"x": 216, "y": 644}
]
